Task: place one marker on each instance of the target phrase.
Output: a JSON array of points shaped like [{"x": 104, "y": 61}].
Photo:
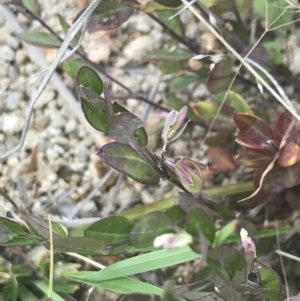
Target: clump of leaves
[{"x": 265, "y": 144}]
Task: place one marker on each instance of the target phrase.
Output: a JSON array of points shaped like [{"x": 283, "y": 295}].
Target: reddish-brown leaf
[
  {"x": 221, "y": 158},
  {"x": 289, "y": 155},
  {"x": 257, "y": 134},
  {"x": 255, "y": 158},
  {"x": 281, "y": 127}
]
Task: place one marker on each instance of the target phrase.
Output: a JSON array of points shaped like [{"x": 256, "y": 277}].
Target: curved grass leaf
[
  {"x": 123, "y": 285},
  {"x": 135, "y": 265},
  {"x": 41, "y": 39},
  {"x": 127, "y": 160}
]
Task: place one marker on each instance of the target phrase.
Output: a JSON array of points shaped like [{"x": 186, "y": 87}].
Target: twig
[
  {"x": 288, "y": 255},
  {"x": 274, "y": 82},
  {"x": 63, "y": 48},
  {"x": 241, "y": 59},
  {"x": 87, "y": 260}
]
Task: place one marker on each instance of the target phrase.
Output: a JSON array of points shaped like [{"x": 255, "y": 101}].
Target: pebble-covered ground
[{"x": 57, "y": 169}]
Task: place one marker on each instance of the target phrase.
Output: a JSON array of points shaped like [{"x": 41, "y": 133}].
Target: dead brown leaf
[{"x": 221, "y": 158}]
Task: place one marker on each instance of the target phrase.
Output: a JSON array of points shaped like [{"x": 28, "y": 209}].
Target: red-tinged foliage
[
  {"x": 263, "y": 145},
  {"x": 289, "y": 155},
  {"x": 255, "y": 158},
  {"x": 257, "y": 134},
  {"x": 280, "y": 128}
]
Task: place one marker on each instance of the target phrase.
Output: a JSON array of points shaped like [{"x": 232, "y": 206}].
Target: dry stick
[
  {"x": 63, "y": 48},
  {"x": 242, "y": 60},
  {"x": 288, "y": 255}
]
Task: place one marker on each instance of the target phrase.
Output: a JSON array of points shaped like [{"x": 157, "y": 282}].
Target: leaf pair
[
  {"x": 127, "y": 154},
  {"x": 264, "y": 145}
]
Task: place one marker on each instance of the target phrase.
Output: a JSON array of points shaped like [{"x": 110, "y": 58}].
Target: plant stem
[{"x": 167, "y": 203}]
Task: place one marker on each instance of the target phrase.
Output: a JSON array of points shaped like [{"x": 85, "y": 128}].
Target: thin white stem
[
  {"x": 274, "y": 82},
  {"x": 60, "y": 54}
]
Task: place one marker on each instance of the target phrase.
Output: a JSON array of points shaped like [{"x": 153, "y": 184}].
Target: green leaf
[
  {"x": 111, "y": 229},
  {"x": 235, "y": 100},
  {"x": 33, "y": 6},
  {"x": 41, "y": 39},
  {"x": 270, "y": 281},
  {"x": 127, "y": 160},
  {"x": 41, "y": 227},
  {"x": 198, "y": 220},
  {"x": 72, "y": 66},
  {"x": 148, "y": 228},
  {"x": 169, "y": 67},
  {"x": 81, "y": 245},
  {"x": 175, "y": 214},
  {"x": 207, "y": 110},
  {"x": 88, "y": 77},
  {"x": 183, "y": 81},
  {"x": 11, "y": 225},
  {"x": 139, "y": 264},
  {"x": 174, "y": 23},
  {"x": 42, "y": 286},
  {"x": 96, "y": 118},
  {"x": 24, "y": 240},
  {"x": 169, "y": 296},
  {"x": 225, "y": 232},
  {"x": 124, "y": 285}
]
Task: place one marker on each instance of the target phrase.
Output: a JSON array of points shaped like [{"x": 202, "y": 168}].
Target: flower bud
[
  {"x": 173, "y": 241},
  {"x": 189, "y": 172},
  {"x": 174, "y": 125},
  {"x": 247, "y": 242}
]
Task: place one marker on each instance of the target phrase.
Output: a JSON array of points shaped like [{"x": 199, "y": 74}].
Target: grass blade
[{"x": 139, "y": 264}]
